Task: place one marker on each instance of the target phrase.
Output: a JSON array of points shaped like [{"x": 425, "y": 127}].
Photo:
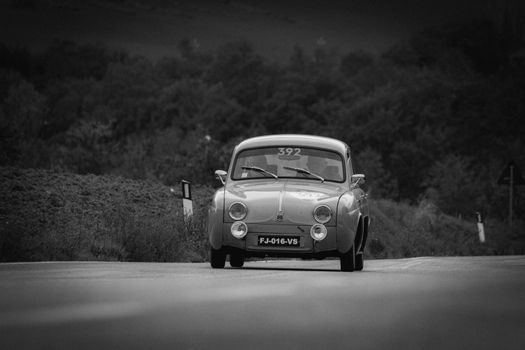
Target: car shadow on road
[{"x": 284, "y": 269}]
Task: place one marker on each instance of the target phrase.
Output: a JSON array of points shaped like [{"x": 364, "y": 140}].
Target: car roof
[{"x": 293, "y": 140}]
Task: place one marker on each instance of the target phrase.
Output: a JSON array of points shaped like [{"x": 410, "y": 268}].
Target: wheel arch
[
  {"x": 366, "y": 227},
  {"x": 359, "y": 234},
  {"x": 215, "y": 215},
  {"x": 348, "y": 218}
]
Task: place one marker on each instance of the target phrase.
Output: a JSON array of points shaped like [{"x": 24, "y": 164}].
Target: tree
[
  {"x": 353, "y": 62},
  {"x": 454, "y": 185},
  {"x": 86, "y": 148},
  {"x": 379, "y": 181},
  {"x": 21, "y": 120}
]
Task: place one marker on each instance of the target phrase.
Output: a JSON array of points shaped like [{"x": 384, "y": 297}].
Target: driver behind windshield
[
  {"x": 258, "y": 161},
  {"x": 316, "y": 165},
  {"x": 320, "y": 166},
  {"x": 254, "y": 161}
]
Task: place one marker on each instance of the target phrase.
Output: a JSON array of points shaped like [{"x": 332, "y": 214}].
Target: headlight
[
  {"x": 318, "y": 232},
  {"x": 239, "y": 229},
  {"x": 322, "y": 214},
  {"x": 237, "y": 211}
]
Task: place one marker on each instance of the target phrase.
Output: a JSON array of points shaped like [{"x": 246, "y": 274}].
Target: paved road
[{"x": 419, "y": 303}]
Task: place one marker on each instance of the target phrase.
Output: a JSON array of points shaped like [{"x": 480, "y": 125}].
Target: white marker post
[
  {"x": 511, "y": 188},
  {"x": 481, "y": 228},
  {"x": 187, "y": 204}
]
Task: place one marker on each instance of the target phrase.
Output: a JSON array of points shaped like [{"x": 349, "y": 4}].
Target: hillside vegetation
[
  {"x": 47, "y": 215},
  {"x": 435, "y": 118},
  {"x": 432, "y": 122}
]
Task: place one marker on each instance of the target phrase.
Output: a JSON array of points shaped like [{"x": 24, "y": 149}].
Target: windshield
[{"x": 289, "y": 162}]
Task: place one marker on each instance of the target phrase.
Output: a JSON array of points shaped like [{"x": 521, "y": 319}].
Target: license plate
[{"x": 279, "y": 241}]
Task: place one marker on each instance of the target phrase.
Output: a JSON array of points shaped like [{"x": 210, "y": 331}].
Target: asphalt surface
[{"x": 419, "y": 303}]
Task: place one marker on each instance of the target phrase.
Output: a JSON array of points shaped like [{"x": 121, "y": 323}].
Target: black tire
[
  {"x": 348, "y": 260},
  {"x": 236, "y": 260},
  {"x": 359, "y": 261},
  {"x": 217, "y": 258}
]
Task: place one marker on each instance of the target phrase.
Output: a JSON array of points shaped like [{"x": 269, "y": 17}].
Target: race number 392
[{"x": 288, "y": 151}]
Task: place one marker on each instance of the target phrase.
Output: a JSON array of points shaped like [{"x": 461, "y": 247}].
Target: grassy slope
[
  {"x": 58, "y": 216},
  {"x": 46, "y": 215},
  {"x": 401, "y": 230}
]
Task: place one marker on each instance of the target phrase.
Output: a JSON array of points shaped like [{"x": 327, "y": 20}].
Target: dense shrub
[
  {"x": 48, "y": 215},
  {"x": 400, "y": 230}
]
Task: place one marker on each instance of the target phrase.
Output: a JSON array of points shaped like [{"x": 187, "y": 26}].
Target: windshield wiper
[
  {"x": 304, "y": 171},
  {"x": 261, "y": 170}
]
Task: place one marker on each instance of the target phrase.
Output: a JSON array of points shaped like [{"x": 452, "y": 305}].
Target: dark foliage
[{"x": 435, "y": 118}]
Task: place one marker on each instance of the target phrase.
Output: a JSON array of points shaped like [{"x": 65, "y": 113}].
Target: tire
[
  {"x": 236, "y": 260},
  {"x": 348, "y": 260},
  {"x": 217, "y": 258},
  {"x": 359, "y": 261}
]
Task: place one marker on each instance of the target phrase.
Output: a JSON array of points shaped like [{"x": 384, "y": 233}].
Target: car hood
[{"x": 283, "y": 201}]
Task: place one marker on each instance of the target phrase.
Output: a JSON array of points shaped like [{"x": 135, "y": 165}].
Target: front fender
[
  {"x": 348, "y": 216},
  {"x": 215, "y": 214}
]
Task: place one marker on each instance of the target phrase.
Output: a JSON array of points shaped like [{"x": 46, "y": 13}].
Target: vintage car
[{"x": 289, "y": 196}]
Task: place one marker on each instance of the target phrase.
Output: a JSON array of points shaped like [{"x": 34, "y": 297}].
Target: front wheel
[
  {"x": 348, "y": 261},
  {"x": 359, "y": 261},
  {"x": 217, "y": 258},
  {"x": 236, "y": 260}
]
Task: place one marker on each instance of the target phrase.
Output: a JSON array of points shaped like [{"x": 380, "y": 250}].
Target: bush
[
  {"x": 46, "y": 215},
  {"x": 399, "y": 230}
]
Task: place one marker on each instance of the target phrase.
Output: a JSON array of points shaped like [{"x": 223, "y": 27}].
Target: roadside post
[
  {"x": 511, "y": 176},
  {"x": 187, "y": 204},
  {"x": 481, "y": 228}
]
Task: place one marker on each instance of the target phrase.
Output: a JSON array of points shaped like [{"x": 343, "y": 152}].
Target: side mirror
[
  {"x": 221, "y": 175},
  {"x": 357, "y": 179}
]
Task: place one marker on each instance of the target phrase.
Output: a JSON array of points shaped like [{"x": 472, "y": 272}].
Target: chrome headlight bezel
[
  {"x": 241, "y": 214},
  {"x": 318, "y": 232},
  {"x": 325, "y": 217},
  {"x": 237, "y": 231}
]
